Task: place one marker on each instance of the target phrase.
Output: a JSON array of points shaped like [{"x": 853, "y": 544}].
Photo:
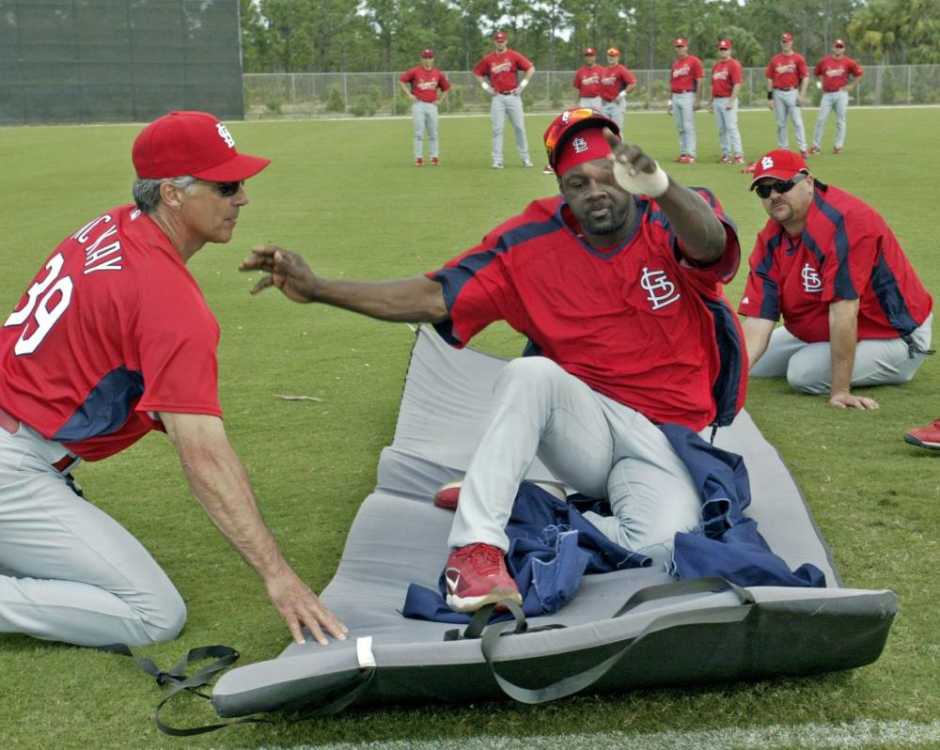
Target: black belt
[
  {"x": 792, "y": 88},
  {"x": 505, "y": 93}
]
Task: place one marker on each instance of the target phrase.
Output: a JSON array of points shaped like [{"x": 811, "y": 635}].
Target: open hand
[{"x": 286, "y": 270}]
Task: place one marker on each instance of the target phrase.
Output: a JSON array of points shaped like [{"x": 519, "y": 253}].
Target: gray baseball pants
[
  {"x": 683, "y": 112},
  {"x": 727, "y": 120},
  {"x": 594, "y": 102},
  {"x": 787, "y": 104},
  {"x": 591, "y": 443},
  {"x": 615, "y": 110},
  {"x": 68, "y": 571},
  {"x": 833, "y": 100},
  {"x": 424, "y": 115},
  {"x": 501, "y": 107},
  {"x": 808, "y": 367}
]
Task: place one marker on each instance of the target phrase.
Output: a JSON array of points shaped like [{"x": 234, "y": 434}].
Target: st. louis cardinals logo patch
[
  {"x": 812, "y": 283},
  {"x": 660, "y": 290},
  {"x": 225, "y": 135}
]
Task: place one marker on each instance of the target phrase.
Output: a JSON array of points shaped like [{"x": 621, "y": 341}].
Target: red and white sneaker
[
  {"x": 419, "y": 162},
  {"x": 448, "y": 496},
  {"x": 925, "y": 437},
  {"x": 739, "y": 159},
  {"x": 815, "y": 150},
  {"x": 689, "y": 159},
  {"x": 476, "y": 575},
  {"x": 547, "y": 169},
  {"x": 837, "y": 149},
  {"x": 725, "y": 159},
  {"x": 435, "y": 162}
]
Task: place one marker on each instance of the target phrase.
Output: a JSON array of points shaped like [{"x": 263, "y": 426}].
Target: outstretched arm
[
  {"x": 414, "y": 300},
  {"x": 756, "y": 337},
  {"x": 843, "y": 338},
  {"x": 220, "y": 483}
]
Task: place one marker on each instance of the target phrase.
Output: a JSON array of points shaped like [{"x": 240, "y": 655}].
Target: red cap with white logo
[
  {"x": 786, "y": 36},
  {"x": 191, "y": 143},
  {"x": 427, "y": 54},
  {"x": 681, "y": 42},
  {"x": 500, "y": 36},
  {"x": 780, "y": 163},
  {"x": 838, "y": 43},
  {"x": 724, "y": 44}
]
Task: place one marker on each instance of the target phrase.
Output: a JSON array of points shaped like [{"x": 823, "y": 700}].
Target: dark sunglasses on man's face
[
  {"x": 226, "y": 189},
  {"x": 763, "y": 189}
]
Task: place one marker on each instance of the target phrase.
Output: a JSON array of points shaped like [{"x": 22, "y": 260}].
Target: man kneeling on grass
[{"x": 615, "y": 291}]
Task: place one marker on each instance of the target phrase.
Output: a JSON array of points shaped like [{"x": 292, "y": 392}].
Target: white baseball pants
[
  {"x": 683, "y": 112},
  {"x": 424, "y": 116},
  {"x": 591, "y": 443},
  {"x": 501, "y": 107},
  {"x": 68, "y": 571},
  {"x": 787, "y": 104},
  {"x": 727, "y": 120},
  {"x": 615, "y": 110},
  {"x": 833, "y": 100}
]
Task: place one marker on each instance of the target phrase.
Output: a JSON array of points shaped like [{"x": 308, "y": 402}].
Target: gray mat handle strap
[{"x": 575, "y": 683}]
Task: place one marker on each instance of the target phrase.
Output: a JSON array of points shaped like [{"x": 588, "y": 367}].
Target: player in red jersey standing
[
  {"x": 726, "y": 82},
  {"x": 421, "y": 85},
  {"x": 685, "y": 77},
  {"x": 854, "y": 311},
  {"x": 587, "y": 81},
  {"x": 619, "y": 294},
  {"x": 616, "y": 82},
  {"x": 111, "y": 340},
  {"x": 838, "y": 74},
  {"x": 787, "y": 79},
  {"x": 497, "y": 74}
]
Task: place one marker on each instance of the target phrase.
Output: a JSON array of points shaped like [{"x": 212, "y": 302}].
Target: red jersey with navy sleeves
[
  {"x": 632, "y": 322},
  {"x": 726, "y": 74},
  {"x": 587, "y": 80},
  {"x": 786, "y": 71},
  {"x": 685, "y": 74},
  {"x": 847, "y": 251},
  {"x": 501, "y": 67},
  {"x": 112, "y": 330},
  {"x": 425, "y": 83},
  {"x": 614, "y": 79},
  {"x": 834, "y": 72}
]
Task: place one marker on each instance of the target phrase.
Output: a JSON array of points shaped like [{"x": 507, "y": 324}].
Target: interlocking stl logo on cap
[{"x": 192, "y": 143}]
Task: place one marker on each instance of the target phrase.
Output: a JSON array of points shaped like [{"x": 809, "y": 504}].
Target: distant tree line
[{"x": 384, "y": 35}]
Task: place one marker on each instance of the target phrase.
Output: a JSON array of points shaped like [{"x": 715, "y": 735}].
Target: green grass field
[{"x": 347, "y": 195}]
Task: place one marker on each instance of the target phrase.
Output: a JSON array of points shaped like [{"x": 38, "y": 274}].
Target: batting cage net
[{"x": 118, "y": 60}]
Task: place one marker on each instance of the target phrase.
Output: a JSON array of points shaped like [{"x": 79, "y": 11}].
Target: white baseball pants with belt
[
  {"x": 501, "y": 107},
  {"x": 615, "y": 109},
  {"x": 68, "y": 571},
  {"x": 808, "y": 367},
  {"x": 683, "y": 112},
  {"x": 832, "y": 100},
  {"x": 591, "y": 443},
  {"x": 424, "y": 116},
  {"x": 787, "y": 104},
  {"x": 726, "y": 117}
]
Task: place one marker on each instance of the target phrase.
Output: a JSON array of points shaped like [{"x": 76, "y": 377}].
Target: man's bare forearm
[
  {"x": 701, "y": 232},
  {"x": 416, "y": 300},
  {"x": 843, "y": 338}
]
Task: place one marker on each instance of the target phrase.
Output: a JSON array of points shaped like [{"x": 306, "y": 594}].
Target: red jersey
[
  {"x": 425, "y": 83},
  {"x": 112, "y": 329},
  {"x": 834, "y": 72},
  {"x": 501, "y": 67},
  {"x": 631, "y": 322},
  {"x": 686, "y": 73},
  {"x": 587, "y": 80},
  {"x": 725, "y": 75},
  {"x": 786, "y": 71},
  {"x": 846, "y": 252},
  {"x": 614, "y": 79}
]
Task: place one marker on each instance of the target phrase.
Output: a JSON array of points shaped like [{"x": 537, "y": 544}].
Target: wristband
[
  {"x": 486, "y": 87},
  {"x": 770, "y": 95},
  {"x": 634, "y": 181},
  {"x": 523, "y": 83}
]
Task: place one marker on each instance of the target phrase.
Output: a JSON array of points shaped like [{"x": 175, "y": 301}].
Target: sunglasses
[
  {"x": 227, "y": 189},
  {"x": 780, "y": 187}
]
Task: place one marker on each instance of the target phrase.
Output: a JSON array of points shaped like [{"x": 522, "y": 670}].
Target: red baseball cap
[
  {"x": 589, "y": 51},
  {"x": 786, "y": 36},
  {"x": 500, "y": 36},
  {"x": 559, "y": 136},
  {"x": 613, "y": 52},
  {"x": 724, "y": 44},
  {"x": 191, "y": 143},
  {"x": 680, "y": 42},
  {"x": 780, "y": 163},
  {"x": 838, "y": 43},
  {"x": 427, "y": 53}
]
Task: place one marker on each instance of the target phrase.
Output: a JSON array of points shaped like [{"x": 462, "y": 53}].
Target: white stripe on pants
[
  {"x": 808, "y": 367},
  {"x": 68, "y": 571},
  {"x": 591, "y": 443},
  {"x": 683, "y": 112},
  {"x": 503, "y": 106},
  {"x": 424, "y": 116},
  {"x": 833, "y": 100},
  {"x": 727, "y": 120},
  {"x": 787, "y": 104}
]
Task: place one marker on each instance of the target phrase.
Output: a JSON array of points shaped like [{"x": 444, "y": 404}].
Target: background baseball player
[
  {"x": 686, "y": 74},
  {"x": 839, "y": 75},
  {"x": 726, "y": 82},
  {"x": 787, "y": 79},
  {"x": 497, "y": 75},
  {"x": 616, "y": 82},
  {"x": 587, "y": 81},
  {"x": 111, "y": 340},
  {"x": 421, "y": 85}
]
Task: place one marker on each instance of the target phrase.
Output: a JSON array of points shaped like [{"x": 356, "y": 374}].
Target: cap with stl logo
[
  {"x": 724, "y": 44},
  {"x": 191, "y": 143},
  {"x": 786, "y": 36},
  {"x": 613, "y": 52},
  {"x": 427, "y": 54},
  {"x": 681, "y": 42},
  {"x": 500, "y": 36},
  {"x": 780, "y": 163}
]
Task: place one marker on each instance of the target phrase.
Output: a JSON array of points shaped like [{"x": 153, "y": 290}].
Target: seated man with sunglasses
[
  {"x": 854, "y": 311},
  {"x": 111, "y": 340}
]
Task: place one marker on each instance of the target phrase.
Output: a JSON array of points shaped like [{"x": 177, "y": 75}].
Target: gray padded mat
[{"x": 399, "y": 537}]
